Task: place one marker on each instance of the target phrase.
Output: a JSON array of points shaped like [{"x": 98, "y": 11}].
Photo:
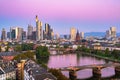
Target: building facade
[
  {"x": 33, "y": 71},
  {"x": 72, "y": 34},
  {"x": 30, "y": 30},
  {"x": 77, "y": 36},
  {"x": 3, "y": 35},
  {"x": 111, "y": 33},
  {"x": 38, "y": 29},
  {"x": 82, "y": 35},
  {"x": 7, "y": 71},
  {"x": 48, "y": 32}
]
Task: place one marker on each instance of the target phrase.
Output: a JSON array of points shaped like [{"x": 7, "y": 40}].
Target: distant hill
[{"x": 95, "y": 34}]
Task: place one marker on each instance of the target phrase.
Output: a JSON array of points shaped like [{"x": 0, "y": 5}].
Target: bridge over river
[{"x": 96, "y": 69}]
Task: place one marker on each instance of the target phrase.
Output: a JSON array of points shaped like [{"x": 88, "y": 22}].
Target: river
[{"x": 66, "y": 60}]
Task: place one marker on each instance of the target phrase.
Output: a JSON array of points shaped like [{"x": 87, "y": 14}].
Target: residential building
[
  {"x": 20, "y": 70},
  {"x": 8, "y": 56},
  {"x": 33, "y": 71},
  {"x": 7, "y": 71}
]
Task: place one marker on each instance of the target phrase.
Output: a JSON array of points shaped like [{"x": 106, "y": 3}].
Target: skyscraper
[
  {"x": 38, "y": 29},
  {"x": 72, "y": 34},
  {"x": 108, "y": 34},
  {"x": 3, "y": 35},
  {"x": 16, "y": 33},
  {"x": 113, "y": 32},
  {"x": 57, "y": 36},
  {"x": 30, "y": 30},
  {"x": 48, "y": 32},
  {"x": 8, "y": 35},
  {"x": 82, "y": 35},
  {"x": 20, "y": 34},
  {"x": 24, "y": 35}
]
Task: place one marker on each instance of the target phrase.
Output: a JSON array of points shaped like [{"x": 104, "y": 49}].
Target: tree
[
  {"x": 84, "y": 49},
  {"x": 58, "y": 74},
  {"x": 116, "y": 54},
  {"x": 42, "y": 51},
  {"x": 18, "y": 48},
  {"x": 66, "y": 46},
  {"x": 107, "y": 51},
  {"x": 26, "y": 55},
  {"x": 0, "y": 49},
  {"x": 7, "y": 48},
  {"x": 26, "y": 47}
]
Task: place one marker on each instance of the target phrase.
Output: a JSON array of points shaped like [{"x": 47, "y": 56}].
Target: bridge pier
[
  {"x": 117, "y": 70},
  {"x": 72, "y": 75},
  {"x": 96, "y": 72}
]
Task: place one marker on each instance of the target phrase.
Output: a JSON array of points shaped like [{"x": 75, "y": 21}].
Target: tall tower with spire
[
  {"x": 77, "y": 36},
  {"x": 38, "y": 29}
]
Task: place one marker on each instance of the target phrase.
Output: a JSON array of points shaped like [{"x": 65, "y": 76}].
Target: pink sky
[{"x": 62, "y": 10}]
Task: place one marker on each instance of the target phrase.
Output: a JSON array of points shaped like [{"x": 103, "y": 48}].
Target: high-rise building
[
  {"x": 24, "y": 35},
  {"x": 3, "y": 35},
  {"x": 38, "y": 29},
  {"x": 57, "y": 36},
  {"x": 16, "y": 33},
  {"x": 8, "y": 35},
  {"x": 72, "y": 34},
  {"x": 20, "y": 34},
  {"x": 108, "y": 34},
  {"x": 113, "y": 32},
  {"x": 52, "y": 35},
  {"x": 48, "y": 32},
  {"x": 30, "y": 30},
  {"x": 82, "y": 35},
  {"x": 34, "y": 35}
]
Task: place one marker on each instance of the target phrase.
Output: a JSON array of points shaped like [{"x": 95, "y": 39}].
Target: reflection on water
[{"x": 58, "y": 61}]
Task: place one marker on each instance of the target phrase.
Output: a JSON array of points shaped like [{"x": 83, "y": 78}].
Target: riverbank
[{"x": 98, "y": 56}]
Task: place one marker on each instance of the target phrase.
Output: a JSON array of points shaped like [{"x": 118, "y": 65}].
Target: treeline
[
  {"x": 58, "y": 74},
  {"x": 24, "y": 47},
  {"x": 115, "y": 54},
  {"x": 26, "y": 55}
]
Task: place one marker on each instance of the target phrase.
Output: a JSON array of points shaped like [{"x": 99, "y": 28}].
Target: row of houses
[
  {"x": 33, "y": 71},
  {"x": 25, "y": 70},
  {"x": 7, "y": 71}
]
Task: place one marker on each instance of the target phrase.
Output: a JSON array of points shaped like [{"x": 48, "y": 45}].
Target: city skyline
[{"x": 86, "y": 16}]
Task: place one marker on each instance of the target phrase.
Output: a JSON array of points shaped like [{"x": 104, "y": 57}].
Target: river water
[{"x": 66, "y": 60}]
